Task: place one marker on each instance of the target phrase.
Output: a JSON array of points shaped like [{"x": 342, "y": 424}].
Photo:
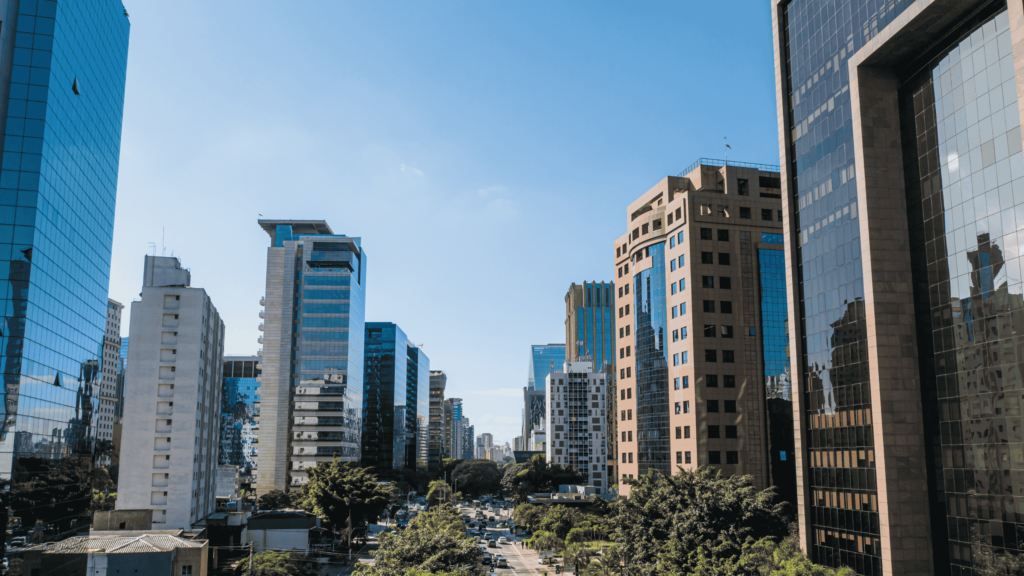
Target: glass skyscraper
[
  {"x": 62, "y": 89},
  {"x": 396, "y": 381},
  {"x": 590, "y": 324},
  {"x": 544, "y": 359},
  {"x": 239, "y": 423}
]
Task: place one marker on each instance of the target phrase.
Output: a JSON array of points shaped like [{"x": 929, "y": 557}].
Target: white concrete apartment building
[
  {"x": 575, "y": 399},
  {"x": 109, "y": 373},
  {"x": 171, "y": 419}
]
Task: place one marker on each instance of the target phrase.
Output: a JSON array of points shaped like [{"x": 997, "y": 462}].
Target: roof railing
[{"x": 714, "y": 162}]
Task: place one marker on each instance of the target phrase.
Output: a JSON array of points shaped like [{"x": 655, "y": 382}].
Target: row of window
[
  {"x": 728, "y": 406},
  {"x": 706, "y": 234},
  {"x": 714, "y": 457},
  {"x": 709, "y": 258},
  {"x": 724, "y": 282},
  {"x": 728, "y": 357}
]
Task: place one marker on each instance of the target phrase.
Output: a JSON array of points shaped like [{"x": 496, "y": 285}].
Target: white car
[
  {"x": 501, "y": 562},
  {"x": 502, "y": 540}
]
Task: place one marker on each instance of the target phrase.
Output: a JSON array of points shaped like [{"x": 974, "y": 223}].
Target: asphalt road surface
[{"x": 521, "y": 560}]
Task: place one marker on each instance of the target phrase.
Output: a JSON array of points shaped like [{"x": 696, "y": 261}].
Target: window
[
  {"x": 686, "y": 357},
  {"x": 714, "y": 457},
  {"x": 623, "y": 415},
  {"x": 686, "y": 406},
  {"x": 620, "y": 289},
  {"x": 723, "y": 259},
  {"x": 728, "y": 356},
  {"x": 622, "y": 373},
  {"x": 730, "y": 432},
  {"x": 712, "y": 405},
  {"x": 630, "y": 435},
  {"x": 623, "y": 436},
  {"x": 711, "y": 380},
  {"x": 620, "y": 271},
  {"x": 743, "y": 186},
  {"x": 752, "y": 331},
  {"x": 682, "y": 260},
  {"x": 766, "y": 214},
  {"x": 707, "y": 281},
  {"x": 679, "y": 457},
  {"x": 711, "y": 355},
  {"x": 709, "y": 331},
  {"x": 679, "y": 408},
  {"x": 745, "y": 213},
  {"x": 675, "y": 383},
  {"x": 725, "y": 307},
  {"x": 622, "y": 353},
  {"x": 732, "y": 457},
  {"x": 675, "y": 335},
  {"x": 627, "y": 329},
  {"x": 725, "y": 283},
  {"x": 623, "y": 457},
  {"x": 707, "y": 258},
  {"x": 780, "y": 215},
  {"x": 714, "y": 432},
  {"x": 672, "y": 266},
  {"x": 682, "y": 312},
  {"x": 629, "y": 393},
  {"x": 679, "y": 432},
  {"x": 682, "y": 284},
  {"x": 686, "y": 431},
  {"x": 730, "y": 406},
  {"x": 729, "y": 381},
  {"x": 627, "y": 351},
  {"x": 682, "y": 332},
  {"x": 686, "y": 382},
  {"x": 186, "y": 570},
  {"x": 709, "y": 306},
  {"x": 673, "y": 311},
  {"x": 687, "y": 457},
  {"x": 672, "y": 241},
  {"x": 673, "y": 288},
  {"x": 679, "y": 237},
  {"x": 644, "y": 228},
  {"x": 723, "y": 235},
  {"x": 726, "y": 331},
  {"x": 627, "y": 289},
  {"x": 622, "y": 394},
  {"x": 629, "y": 372},
  {"x": 627, "y": 309},
  {"x": 675, "y": 359},
  {"x": 620, "y": 311},
  {"x": 705, "y": 234},
  {"x": 629, "y": 414}
]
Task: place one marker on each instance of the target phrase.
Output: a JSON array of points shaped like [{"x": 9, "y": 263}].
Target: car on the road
[
  {"x": 492, "y": 544},
  {"x": 502, "y": 540},
  {"x": 501, "y": 562}
]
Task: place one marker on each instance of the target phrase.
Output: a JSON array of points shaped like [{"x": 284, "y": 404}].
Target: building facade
[
  {"x": 311, "y": 385},
  {"x": 58, "y": 185},
  {"x": 436, "y": 441},
  {"x": 453, "y": 428},
  {"x": 903, "y": 178},
  {"x": 544, "y": 359},
  {"x": 169, "y": 464},
  {"x": 484, "y": 443},
  {"x": 576, "y": 397},
  {"x": 395, "y": 391},
  {"x": 110, "y": 374},
  {"x": 422, "y": 441},
  {"x": 240, "y": 415},
  {"x": 692, "y": 274}
]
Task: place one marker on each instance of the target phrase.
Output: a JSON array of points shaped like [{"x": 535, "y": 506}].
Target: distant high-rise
[
  {"x": 544, "y": 358},
  {"x": 422, "y": 442},
  {"x": 590, "y": 324},
  {"x": 395, "y": 390},
  {"x": 172, "y": 400},
  {"x": 110, "y": 373},
  {"x": 62, "y": 87},
  {"x": 240, "y": 413},
  {"x": 576, "y": 397},
  {"x": 311, "y": 386},
  {"x": 436, "y": 441},
  {"x": 453, "y": 430}
]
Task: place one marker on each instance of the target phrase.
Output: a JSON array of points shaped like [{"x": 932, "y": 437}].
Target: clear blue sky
[{"x": 485, "y": 152}]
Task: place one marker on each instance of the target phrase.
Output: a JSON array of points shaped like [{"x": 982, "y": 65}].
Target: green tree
[
  {"x": 577, "y": 554},
  {"x": 537, "y": 475},
  {"x": 546, "y": 541},
  {"x": 765, "y": 556},
  {"x": 274, "y": 500},
  {"x": 270, "y": 563},
  {"x": 667, "y": 520},
  {"x": 101, "y": 500},
  {"x": 448, "y": 466},
  {"x": 435, "y": 541},
  {"x": 560, "y": 520},
  {"x": 476, "y": 477},
  {"x": 528, "y": 515},
  {"x": 607, "y": 564},
  {"x": 345, "y": 494}
]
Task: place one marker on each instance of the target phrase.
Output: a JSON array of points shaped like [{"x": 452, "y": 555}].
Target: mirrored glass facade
[
  {"x": 778, "y": 389},
  {"x": 652, "y": 401},
  {"x": 590, "y": 324},
  {"x": 239, "y": 421},
  {"x": 395, "y": 383},
  {"x": 544, "y": 359},
  {"x": 58, "y": 184}
]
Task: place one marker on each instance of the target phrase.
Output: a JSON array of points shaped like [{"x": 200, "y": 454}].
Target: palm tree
[
  {"x": 577, "y": 554},
  {"x": 609, "y": 563}
]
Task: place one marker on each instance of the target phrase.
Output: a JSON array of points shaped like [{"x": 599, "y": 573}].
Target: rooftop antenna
[
  {"x": 163, "y": 246},
  {"x": 153, "y": 246},
  {"x": 727, "y": 148}
]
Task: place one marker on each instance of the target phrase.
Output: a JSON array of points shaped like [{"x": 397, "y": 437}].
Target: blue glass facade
[
  {"x": 775, "y": 347},
  {"x": 58, "y": 184},
  {"x": 592, "y": 334},
  {"x": 543, "y": 360},
  {"x": 652, "y": 396},
  {"x": 396, "y": 381},
  {"x": 239, "y": 422}
]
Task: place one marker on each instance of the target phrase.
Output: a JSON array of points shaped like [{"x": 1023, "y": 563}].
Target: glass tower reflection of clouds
[
  {"x": 543, "y": 360},
  {"x": 58, "y": 183}
]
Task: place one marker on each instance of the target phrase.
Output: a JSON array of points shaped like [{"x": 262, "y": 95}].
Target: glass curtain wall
[{"x": 651, "y": 362}]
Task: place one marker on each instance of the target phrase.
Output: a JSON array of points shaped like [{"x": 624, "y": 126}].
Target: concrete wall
[{"x": 278, "y": 539}]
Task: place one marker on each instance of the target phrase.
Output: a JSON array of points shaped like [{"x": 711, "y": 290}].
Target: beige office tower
[
  {"x": 700, "y": 325},
  {"x": 110, "y": 372},
  {"x": 171, "y": 420},
  {"x": 311, "y": 384},
  {"x": 576, "y": 408}
]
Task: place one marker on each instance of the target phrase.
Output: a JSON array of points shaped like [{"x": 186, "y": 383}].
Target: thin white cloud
[
  {"x": 412, "y": 170},
  {"x": 490, "y": 190}
]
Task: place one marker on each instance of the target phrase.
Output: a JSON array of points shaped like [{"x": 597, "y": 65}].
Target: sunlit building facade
[
  {"x": 544, "y": 359},
  {"x": 240, "y": 413}
]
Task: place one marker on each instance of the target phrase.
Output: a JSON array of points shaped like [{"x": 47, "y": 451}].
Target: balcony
[
  {"x": 259, "y": 340},
  {"x": 263, "y": 300},
  {"x": 262, "y": 314},
  {"x": 261, "y": 326},
  {"x": 259, "y": 352}
]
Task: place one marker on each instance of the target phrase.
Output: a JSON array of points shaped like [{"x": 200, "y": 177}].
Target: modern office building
[
  {"x": 544, "y": 359},
  {"x": 240, "y": 415},
  {"x": 699, "y": 322},
  {"x": 62, "y": 87},
  {"x": 395, "y": 390},
  {"x": 311, "y": 385},
  {"x": 110, "y": 373},
  {"x": 453, "y": 431},
  {"x": 577, "y": 405},
  {"x": 422, "y": 442},
  {"x": 590, "y": 336},
  {"x": 438, "y": 427},
  {"x": 170, "y": 434},
  {"x": 466, "y": 442},
  {"x": 533, "y": 411},
  {"x": 484, "y": 443},
  {"x": 903, "y": 178}
]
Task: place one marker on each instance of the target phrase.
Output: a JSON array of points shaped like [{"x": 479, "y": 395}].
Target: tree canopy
[
  {"x": 671, "y": 525},
  {"x": 537, "y": 475},
  {"x": 270, "y": 563},
  {"x": 476, "y": 477},
  {"x": 434, "y": 542},
  {"x": 274, "y": 500},
  {"x": 337, "y": 488}
]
